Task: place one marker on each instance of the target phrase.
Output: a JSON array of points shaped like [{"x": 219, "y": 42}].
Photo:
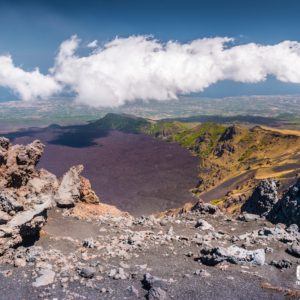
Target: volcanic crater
[{"x": 135, "y": 172}]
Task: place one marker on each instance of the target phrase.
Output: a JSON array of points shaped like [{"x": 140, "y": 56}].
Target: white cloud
[
  {"x": 92, "y": 44},
  {"x": 140, "y": 67},
  {"x": 28, "y": 85}
]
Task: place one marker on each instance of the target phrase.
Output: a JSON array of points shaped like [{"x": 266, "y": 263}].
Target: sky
[{"x": 32, "y": 33}]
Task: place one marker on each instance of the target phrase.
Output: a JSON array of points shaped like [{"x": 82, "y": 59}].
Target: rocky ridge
[{"x": 27, "y": 193}]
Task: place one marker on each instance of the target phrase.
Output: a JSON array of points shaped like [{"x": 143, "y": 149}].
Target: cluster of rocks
[
  {"x": 225, "y": 142},
  {"x": 27, "y": 193},
  {"x": 266, "y": 202},
  {"x": 150, "y": 255}
]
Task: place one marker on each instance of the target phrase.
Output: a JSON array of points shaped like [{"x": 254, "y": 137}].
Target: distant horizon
[{"x": 140, "y": 101}]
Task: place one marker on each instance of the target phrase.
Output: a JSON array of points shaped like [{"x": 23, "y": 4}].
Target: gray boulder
[
  {"x": 287, "y": 209},
  {"x": 232, "y": 254},
  {"x": 294, "y": 250},
  {"x": 205, "y": 208},
  {"x": 263, "y": 198},
  {"x": 9, "y": 202},
  {"x": 68, "y": 192}
]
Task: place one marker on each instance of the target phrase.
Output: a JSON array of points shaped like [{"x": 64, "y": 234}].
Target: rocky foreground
[{"x": 58, "y": 242}]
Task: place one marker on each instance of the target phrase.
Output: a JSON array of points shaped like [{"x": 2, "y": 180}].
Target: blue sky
[{"x": 31, "y": 31}]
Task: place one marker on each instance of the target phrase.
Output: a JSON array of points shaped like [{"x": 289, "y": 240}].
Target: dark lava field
[{"x": 135, "y": 172}]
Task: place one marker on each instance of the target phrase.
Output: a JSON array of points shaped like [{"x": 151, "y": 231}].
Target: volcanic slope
[{"x": 234, "y": 157}]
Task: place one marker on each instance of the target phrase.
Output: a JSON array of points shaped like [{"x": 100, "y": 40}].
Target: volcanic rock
[
  {"x": 47, "y": 277},
  {"x": 87, "y": 272},
  {"x": 204, "y": 225},
  {"x": 4, "y": 217},
  {"x": 26, "y": 193},
  {"x": 263, "y": 198},
  {"x": 294, "y": 250},
  {"x": 287, "y": 209},
  {"x": 68, "y": 192},
  {"x": 156, "y": 293},
  {"x": 232, "y": 254},
  {"x": 205, "y": 208},
  {"x": 86, "y": 193},
  {"x": 74, "y": 188},
  {"x": 281, "y": 264}
]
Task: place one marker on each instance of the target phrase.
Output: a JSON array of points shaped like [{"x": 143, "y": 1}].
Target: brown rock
[{"x": 86, "y": 193}]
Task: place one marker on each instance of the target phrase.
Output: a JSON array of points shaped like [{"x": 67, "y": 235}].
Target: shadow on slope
[
  {"x": 81, "y": 136},
  {"x": 85, "y": 135}
]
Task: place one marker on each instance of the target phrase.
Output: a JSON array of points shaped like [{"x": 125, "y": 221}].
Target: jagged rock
[
  {"x": 4, "y": 217},
  {"x": 204, "y": 225},
  {"x": 118, "y": 274},
  {"x": 229, "y": 133},
  {"x": 4, "y": 143},
  {"x": 287, "y": 209},
  {"x": 155, "y": 286},
  {"x": 279, "y": 234},
  {"x": 202, "y": 273},
  {"x": 224, "y": 148},
  {"x": 74, "y": 188},
  {"x": 136, "y": 238},
  {"x": 205, "y": 208},
  {"x": 9, "y": 202},
  {"x": 9, "y": 237},
  {"x": 87, "y": 272},
  {"x": 23, "y": 225},
  {"x": 19, "y": 262},
  {"x": 47, "y": 277},
  {"x": 150, "y": 281},
  {"x": 86, "y": 193},
  {"x": 163, "y": 222},
  {"x": 26, "y": 193},
  {"x": 44, "y": 182},
  {"x": 232, "y": 254},
  {"x": 248, "y": 217},
  {"x": 281, "y": 264},
  {"x": 30, "y": 155},
  {"x": 68, "y": 192},
  {"x": 20, "y": 163},
  {"x": 293, "y": 228},
  {"x": 132, "y": 291},
  {"x": 263, "y": 198},
  {"x": 156, "y": 293},
  {"x": 89, "y": 243},
  {"x": 294, "y": 250}
]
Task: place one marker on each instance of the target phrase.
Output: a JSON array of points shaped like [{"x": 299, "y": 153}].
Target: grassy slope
[
  {"x": 188, "y": 134},
  {"x": 121, "y": 122},
  {"x": 266, "y": 152}
]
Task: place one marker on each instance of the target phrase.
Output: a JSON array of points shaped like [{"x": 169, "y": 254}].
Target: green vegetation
[
  {"x": 201, "y": 138},
  {"x": 125, "y": 123}
]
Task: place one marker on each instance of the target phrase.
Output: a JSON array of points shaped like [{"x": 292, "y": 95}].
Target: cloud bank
[
  {"x": 142, "y": 68},
  {"x": 28, "y": 85}
]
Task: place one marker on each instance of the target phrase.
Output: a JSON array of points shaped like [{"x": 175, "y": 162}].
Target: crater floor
[{"x": 134, "y": 172}]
